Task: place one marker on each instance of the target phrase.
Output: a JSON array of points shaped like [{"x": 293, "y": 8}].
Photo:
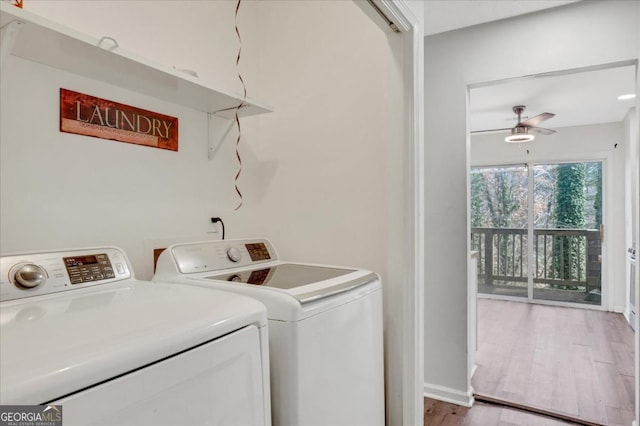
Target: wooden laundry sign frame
[{"x": 88, "y": 115}]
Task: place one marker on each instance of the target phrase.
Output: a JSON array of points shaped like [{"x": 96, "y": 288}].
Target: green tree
[
  {"x": 597, "y": 201},
  {"x": 477, "y": 189},
  {"x": 503, "y": 193},
  {"x": 505, "y": 196},
  {"x": 569, "y": 214}
]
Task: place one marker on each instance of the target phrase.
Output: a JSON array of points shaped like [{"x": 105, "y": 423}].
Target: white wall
[
  {"x": 323, "y": 178},
  {"x": 635, "y": 141},
  {"x": 594, "y": 142},
  {"x": 631, "y": 167},
  {"x": 313, "y": 172},
  {"x": 322, "y": 175},
  {"x": 195, "y": 35},
  {"x": 61, "y": 190},
  {"x": 577, "y": 35},
  {"x": 318, "y": 171},
  {"x": 630, "y": 170}
]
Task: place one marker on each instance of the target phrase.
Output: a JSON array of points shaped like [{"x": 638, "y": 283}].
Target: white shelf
[{"x": 54, "y": 45}]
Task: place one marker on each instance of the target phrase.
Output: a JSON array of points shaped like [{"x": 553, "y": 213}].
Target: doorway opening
[{"x": 536, "y": 210}]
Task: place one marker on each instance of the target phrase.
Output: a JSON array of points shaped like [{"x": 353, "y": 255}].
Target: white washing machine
[
  {"x": 78, "y": 330},
  {"x": 325, "y": 327}
]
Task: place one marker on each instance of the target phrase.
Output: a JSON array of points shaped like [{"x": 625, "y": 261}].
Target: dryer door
[{"x": 217, "y": 383}]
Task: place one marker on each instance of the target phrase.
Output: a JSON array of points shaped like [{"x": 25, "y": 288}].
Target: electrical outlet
[
  {"x": 214, "y": 228},
  {"x": 218, "y": 224}
]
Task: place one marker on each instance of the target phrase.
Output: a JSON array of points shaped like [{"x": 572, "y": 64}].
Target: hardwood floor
[
  {"x": 437, "y": 413},
  {"x": 573, "y": 361}
]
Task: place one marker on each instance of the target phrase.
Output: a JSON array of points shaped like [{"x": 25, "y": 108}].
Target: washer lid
[
  {"x": 57, "y": 344},
  {"x": 306, "y": 283},
  {"x": 284, "y": 275}
]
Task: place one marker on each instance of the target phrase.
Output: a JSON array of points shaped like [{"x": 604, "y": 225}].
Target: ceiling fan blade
[
  {"x": 534, "y": 121},
  {"x": 541, "y": 131},
  {"x": 491, "y": 130}
]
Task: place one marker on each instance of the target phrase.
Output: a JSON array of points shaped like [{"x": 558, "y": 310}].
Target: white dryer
[
  {"x": 78, "y": 329},
  {"x": 325, "y": 327}
]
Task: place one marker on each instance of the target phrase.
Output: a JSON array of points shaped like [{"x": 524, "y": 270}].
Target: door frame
[
  {"x": 607, "y": 246},
  {"x": 410, "y": 314}
]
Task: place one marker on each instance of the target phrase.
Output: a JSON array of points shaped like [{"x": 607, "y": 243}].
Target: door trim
[{"x": 411, "y": 314}]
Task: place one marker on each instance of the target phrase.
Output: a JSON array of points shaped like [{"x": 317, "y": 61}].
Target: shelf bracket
[
  {"x": 218, "y": 129},
  {"x": 230, "y": 112},
  {"x": 8, "y": 35}
]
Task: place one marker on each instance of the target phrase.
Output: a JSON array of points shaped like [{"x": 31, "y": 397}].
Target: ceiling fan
[{"x": 524, "y": 131}]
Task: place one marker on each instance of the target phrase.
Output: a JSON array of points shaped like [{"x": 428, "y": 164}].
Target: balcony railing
[{"x": 562, "y": 258}]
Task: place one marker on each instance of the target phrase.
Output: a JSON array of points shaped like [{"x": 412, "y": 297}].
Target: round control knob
[
  {"x": 29, "y": 275},
  {"x": 234, "y": 254},
  {"x": 235, "y": 278}
]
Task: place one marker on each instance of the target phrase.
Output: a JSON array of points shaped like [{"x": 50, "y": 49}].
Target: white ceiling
[
  {"x": 446, "y": 15},
  {"x": 576, "y": 99}
]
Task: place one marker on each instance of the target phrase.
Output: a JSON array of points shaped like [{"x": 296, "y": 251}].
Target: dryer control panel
[
  {"x": 215, "y": 255},
  {"x": 32, "y": 274}
]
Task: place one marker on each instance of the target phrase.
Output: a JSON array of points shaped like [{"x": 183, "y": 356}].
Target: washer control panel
[
  {"x": 217, "y": 255},
  {"x": 93, "y": 267},
  {"x": 32, "y": 274}
]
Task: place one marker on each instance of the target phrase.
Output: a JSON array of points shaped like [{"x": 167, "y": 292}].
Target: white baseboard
[
  {"x": 619, "y": 309},
  {"x": 449, "y": 395}
]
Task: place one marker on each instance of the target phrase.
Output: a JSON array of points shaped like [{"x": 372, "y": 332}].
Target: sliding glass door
[
  {"x": 567, "y": 224},
  {"x": 499, "y": 220},
  {"x": 537, "y": 229}
]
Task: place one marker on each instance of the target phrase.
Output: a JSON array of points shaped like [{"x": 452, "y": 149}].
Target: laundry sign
[{"x": 90, "y": 116}]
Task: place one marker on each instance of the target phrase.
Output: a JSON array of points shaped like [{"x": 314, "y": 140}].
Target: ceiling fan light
[
  {"x": 519, "y": 135},
  {"x": 519, "y": 138}
]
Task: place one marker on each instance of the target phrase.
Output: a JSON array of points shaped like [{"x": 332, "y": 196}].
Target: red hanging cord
[{"x": 244, "y": 88}]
